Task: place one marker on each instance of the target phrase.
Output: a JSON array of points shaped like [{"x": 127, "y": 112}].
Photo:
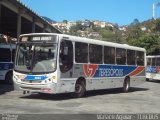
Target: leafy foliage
[
  {"x": 148, "y": 41},
  {"x": 146, "y": 35}
]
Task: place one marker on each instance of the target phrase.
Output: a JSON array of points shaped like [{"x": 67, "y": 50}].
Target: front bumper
[{"x": 39, "y": 88}]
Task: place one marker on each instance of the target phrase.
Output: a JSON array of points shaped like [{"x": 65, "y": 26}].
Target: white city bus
[
  {"x": 7, "y": 52},
  {"x": 59, "y": 63},
  {"x": 153, "y": 68}
]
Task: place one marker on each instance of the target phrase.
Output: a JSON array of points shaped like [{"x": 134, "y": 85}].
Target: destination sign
[
  {"x": 42, "y": 38},
  {"x": 38, "y": 38}
]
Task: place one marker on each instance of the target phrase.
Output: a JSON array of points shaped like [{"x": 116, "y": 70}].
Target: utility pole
[{"x": 153, "y": 11}]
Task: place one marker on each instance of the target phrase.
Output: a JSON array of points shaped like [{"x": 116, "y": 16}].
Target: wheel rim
[
  {"x": 78, "y": 88},
  {"x": 126, "y": 85}
]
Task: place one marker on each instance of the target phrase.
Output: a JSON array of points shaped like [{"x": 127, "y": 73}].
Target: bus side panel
[
  {"x": 79, "y": 73},
  {"x": 156, "y": 76},
  {"x": 149, "y": 75},
  {"x": 116, "y": 82},
  {"x": 3, "y": 74},
  {"x": 152, "y": 73},
  {"x": 5, "y": 67},
  {"x": 66, "y": 82},
  {"x": 99, "y": 77},
  {"x": 136, "y": 81},
  {"x": 153, "y": 76},
  {"x": 106, "y": 83},
  {"x": 66, "y": 85}
]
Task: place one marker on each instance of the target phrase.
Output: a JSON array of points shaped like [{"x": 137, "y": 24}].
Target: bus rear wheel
[
  {"x": 79, "y": 89},
  {"x": 126, "y": 85},
  {"x": 147, "y": 79}
]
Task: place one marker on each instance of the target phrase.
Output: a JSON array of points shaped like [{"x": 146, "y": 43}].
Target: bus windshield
[{"x": 36, "y": 58}]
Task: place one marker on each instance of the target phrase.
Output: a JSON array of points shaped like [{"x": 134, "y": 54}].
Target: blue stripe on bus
[
  {"x": 113, "y": 71},
  {"x": 152, "y": 69},
  {"x": 94, "y": 70},
  {"x": 32, "y": 77},
  {"x": 6, "y": 66}
]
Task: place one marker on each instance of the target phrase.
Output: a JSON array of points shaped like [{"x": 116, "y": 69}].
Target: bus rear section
[{"x": 153, "y": 68}]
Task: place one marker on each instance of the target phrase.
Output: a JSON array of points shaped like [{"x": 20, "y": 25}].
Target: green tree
[
  {"x": 157, "y": 26},
  {"x": 135, "y": 22},
  {"x": 65, "y": 21},
  {"x": 107, "y": 35},
  {"x": 148, "y": 41},
  {"x": 134, "y": 32}
]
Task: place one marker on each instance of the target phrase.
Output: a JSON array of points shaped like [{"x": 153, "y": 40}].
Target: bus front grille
[
  {"x": 31, "y": 81},
  {"x": 30, "y": 88}
]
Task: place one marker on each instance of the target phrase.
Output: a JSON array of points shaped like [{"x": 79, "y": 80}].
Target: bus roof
[{"x": 90, "y": 41}]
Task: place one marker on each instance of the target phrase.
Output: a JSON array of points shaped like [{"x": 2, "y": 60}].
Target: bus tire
[
  {"x": 79, "y": 89},
  {"x": 9, "y": 78},
  {"x": 126, "y": 85},
  {"x": 147, "y": 79}
]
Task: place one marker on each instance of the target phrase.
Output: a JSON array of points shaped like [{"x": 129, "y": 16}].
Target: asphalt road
[{"x": 142, "y": 99}]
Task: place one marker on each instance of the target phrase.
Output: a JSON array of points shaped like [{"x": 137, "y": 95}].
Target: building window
[{"x": 81, "y": 52}]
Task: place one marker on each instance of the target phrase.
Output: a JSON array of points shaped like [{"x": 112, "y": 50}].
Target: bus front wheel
[
  {"x": 147, "y": 79},
  {"x": 79, "y": 89},
  {"x": 126, "y": 85}
]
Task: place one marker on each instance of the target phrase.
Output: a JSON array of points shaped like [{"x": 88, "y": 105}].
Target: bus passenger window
[
  {"x": 66, "y": 56},
  {"x": 5, "y": 55},
  {"x": 140, "y": 58},
  {"x": 109, "y": 55},
  {"x": 95, "y": 54},
  {"x": 158, "y": 61},
  {"x": 121, "y": 56},
  {"x": 153, "y": 62},
  {"x": 131, "y": 58},
  {"x": 148, "y": 61},
  {"x": 81, "y": 52}
]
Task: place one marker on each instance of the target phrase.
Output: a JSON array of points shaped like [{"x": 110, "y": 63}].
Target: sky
[{"x": 122, "y": 12}]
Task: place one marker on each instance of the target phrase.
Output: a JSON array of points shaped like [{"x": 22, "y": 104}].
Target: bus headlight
[{"x": 53, "y": 78}]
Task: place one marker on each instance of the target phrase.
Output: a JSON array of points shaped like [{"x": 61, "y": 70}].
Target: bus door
[{"x": 66, "y": 59}]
